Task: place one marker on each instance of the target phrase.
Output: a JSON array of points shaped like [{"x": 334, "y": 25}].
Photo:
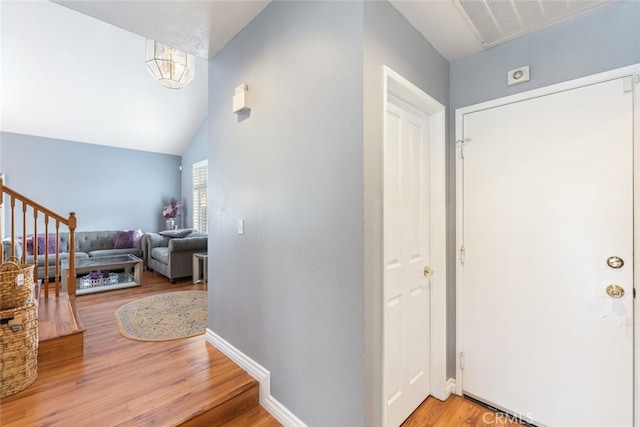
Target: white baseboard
[
  {"x": 263, "y": 376},
  {"x": 451, "y": 386}
]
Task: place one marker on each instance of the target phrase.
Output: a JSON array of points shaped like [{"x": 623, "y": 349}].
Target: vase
[{"x": 170, "y": 224}]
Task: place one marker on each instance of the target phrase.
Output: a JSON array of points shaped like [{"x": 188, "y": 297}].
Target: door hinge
[
  {"x": 461, "y": 143},
  {"x": 462, "y": 360},
  {"x": 462, "y": 254},
  {"x": 634, "y": 292}
]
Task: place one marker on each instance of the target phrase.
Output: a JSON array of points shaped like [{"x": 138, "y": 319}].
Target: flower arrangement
[{"x": 172, "y": 210}]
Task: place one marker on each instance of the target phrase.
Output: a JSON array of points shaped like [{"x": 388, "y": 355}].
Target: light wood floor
[
  {"x": 118, "y": 381},
  {"x": 455, "y": 412},
  {"x": 123, "y": 382}
]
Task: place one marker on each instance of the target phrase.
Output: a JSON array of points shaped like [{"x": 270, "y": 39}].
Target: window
[{"x": 200, "y": 172}]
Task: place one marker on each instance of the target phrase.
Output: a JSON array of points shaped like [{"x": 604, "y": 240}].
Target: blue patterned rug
[{"x": 164, "y": 317}]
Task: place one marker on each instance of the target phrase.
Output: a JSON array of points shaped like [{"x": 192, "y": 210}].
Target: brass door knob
[
  {"x": 427, "y": 272},
  {"x": 615, "y": 291}
]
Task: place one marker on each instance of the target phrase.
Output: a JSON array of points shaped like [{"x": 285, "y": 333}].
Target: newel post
[{"x": 71, "y": 281}]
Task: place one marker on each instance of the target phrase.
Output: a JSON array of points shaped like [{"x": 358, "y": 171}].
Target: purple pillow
[
  {"x": 28, "y": 245},
  {"x": 128, "y": 239},
  {"x": 41, "y": 245}
]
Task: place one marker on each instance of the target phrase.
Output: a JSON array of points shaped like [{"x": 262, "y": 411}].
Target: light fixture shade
[{"x": 172, "y": 68}]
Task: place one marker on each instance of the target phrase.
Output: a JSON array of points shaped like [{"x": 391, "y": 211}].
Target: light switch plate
[{"x": 241, "y": 226}]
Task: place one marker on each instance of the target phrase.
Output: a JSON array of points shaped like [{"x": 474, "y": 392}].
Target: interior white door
[
  {"x": 406, "y": 254},
  {"x": 548, "y": 198}
]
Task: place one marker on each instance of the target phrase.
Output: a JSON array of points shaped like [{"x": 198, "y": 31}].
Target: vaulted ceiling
[
  {"x": 67, "y": 74},
  {"x": 74, "y": 69}
]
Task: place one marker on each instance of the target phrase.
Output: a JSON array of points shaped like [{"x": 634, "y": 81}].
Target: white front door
[
  {"x": 547, "y": 201},
  {"x": 406, "y": 254}
]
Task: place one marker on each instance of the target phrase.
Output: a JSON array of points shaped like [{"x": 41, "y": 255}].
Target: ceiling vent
[{"x": 496, "y": 22}]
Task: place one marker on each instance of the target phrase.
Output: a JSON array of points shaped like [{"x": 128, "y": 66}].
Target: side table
[{"x": 200, "y": 267}]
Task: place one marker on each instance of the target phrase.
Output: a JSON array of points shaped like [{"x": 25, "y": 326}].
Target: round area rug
[{"x": 164, "y": 317}]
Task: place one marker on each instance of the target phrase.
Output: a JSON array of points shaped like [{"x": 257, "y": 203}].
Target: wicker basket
[
  {"x": 18, "y": 348},
  {"x": 16, "y": 284}
]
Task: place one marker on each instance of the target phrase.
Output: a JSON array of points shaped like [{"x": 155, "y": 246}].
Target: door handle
[
  {"x": 427, "y": 272},
  {"x": 615, "y": 291}
]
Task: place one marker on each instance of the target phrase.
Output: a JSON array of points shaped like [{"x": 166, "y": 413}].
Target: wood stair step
[
  {"x": 254, "y": 417},
  {"x": 233, "y": 405},
  {"x": 58, "y": 317},
  {"x": 60, "y": 329}
]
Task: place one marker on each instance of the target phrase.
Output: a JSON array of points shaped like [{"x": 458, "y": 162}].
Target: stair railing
[{"x": 41, "y": 215}]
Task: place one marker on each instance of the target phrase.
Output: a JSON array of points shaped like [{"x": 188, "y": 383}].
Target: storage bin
[
  {"x": 16, "y": 284},
  {"x": 18, "y": 348}
]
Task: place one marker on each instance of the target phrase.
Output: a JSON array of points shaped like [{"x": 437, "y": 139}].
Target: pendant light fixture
[{"x": 172, "y": 68}]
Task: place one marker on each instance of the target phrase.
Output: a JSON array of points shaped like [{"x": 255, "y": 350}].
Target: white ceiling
[
  {"x": 199, "y": 27},
  {"x": 74, "y": 69},
  {"x": 70, "y": 76}
]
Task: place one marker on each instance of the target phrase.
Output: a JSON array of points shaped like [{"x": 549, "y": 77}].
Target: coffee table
[{"x": 128, "y": 275}]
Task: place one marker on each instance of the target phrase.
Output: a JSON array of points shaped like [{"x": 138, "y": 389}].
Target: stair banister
[{"x": 70, "y": 222}]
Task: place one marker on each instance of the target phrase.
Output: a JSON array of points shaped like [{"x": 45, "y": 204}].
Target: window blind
[{"x": 200, "y": 172}]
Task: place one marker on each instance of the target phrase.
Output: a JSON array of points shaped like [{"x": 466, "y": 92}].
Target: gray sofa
[
  {"x": 88, "y": 244},
  {"x": 173, "y": 256}
]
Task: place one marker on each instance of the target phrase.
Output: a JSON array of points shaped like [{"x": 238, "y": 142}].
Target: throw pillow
[
  {"x": 28, "y": 245},
  {"x": 183, "y": 232},
  {"x": 128, "y": 239},
  {"x": 51, "y": 242}
]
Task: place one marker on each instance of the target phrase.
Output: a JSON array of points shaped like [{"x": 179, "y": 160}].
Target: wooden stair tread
[
  {"x": 220, "y": 411},
  {"x": 58, "y": 317},
  {"x": 60, "y": 329},
  {"x": 254, "y": 417}
]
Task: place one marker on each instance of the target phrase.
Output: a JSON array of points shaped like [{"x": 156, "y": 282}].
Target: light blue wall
[
  {"x": 196, "y": 152},
  {"x": 289, "y": 292},
  {"x": 604, "y": 39},
  {"x": 389, "y": 40},
  {"x": 108, "y": 188}
]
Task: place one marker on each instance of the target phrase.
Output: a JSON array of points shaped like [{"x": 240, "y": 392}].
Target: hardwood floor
[
  {"x": 117, "y": 381},
  {"x": 456, "y": 412}
]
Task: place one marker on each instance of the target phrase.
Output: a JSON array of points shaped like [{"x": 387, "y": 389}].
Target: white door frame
[
  {"x": 634, "y": 72},
  {"x": 395, "y": 84}
]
